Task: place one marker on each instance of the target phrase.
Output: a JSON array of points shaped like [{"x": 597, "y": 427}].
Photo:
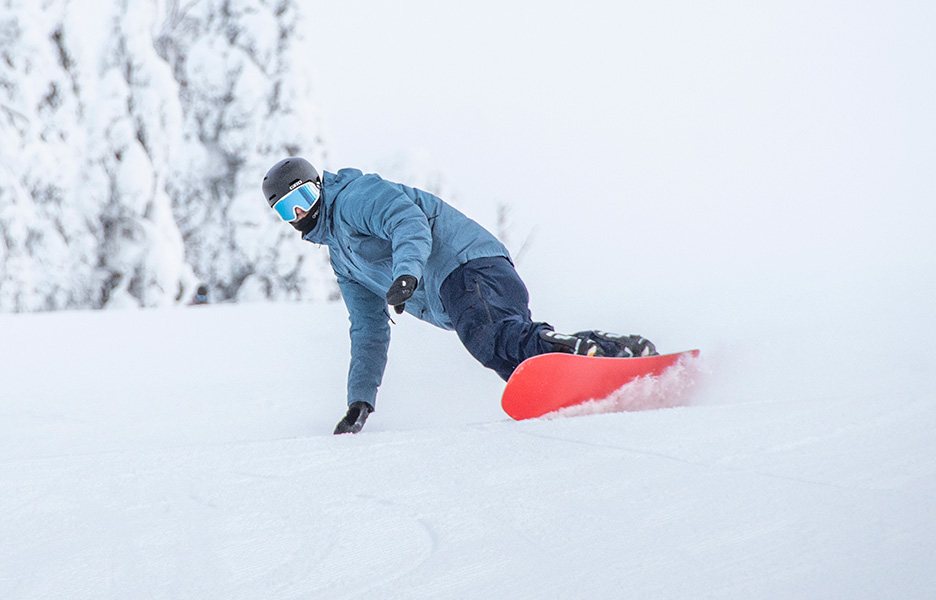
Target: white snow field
[{"x": 187, "y": 453}]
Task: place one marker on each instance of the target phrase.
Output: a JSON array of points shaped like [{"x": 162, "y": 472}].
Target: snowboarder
[{"x": 394, "y": 245}]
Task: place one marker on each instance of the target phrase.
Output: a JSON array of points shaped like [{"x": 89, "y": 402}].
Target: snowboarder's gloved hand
[
  {"x": 353, "y": 422},
  {"x": 400, "y": 292}
]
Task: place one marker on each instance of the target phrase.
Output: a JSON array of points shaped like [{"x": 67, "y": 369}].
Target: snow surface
[{"x": 187, "y": 453}]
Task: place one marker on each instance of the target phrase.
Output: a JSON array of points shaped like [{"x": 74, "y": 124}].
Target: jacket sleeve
[
  {"x": 383, "y": 210},
  {"x": 370, "y": 338}
]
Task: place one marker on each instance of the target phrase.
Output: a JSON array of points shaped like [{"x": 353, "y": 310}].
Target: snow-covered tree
[{"x": 134, "y": 136}]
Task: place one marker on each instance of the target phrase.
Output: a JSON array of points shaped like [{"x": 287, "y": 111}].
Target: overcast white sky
[{"x": 736, "y": 136}]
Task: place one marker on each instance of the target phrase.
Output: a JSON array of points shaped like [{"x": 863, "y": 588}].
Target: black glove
[
  {"x": 353, "y": 422},
  {"x": 400, "y": 291}
]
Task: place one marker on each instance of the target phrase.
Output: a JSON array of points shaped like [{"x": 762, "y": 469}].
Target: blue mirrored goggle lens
[{"x": 304, "y": 197}]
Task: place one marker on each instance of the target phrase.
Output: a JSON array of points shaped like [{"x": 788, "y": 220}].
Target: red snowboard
[{"x": 548, "y": 382}]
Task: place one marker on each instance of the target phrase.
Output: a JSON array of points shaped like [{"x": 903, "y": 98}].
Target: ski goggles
[{"x": 305, "y": 196}]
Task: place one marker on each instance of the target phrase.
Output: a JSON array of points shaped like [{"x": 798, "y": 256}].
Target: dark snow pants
[{"x": 489, "y": 306}]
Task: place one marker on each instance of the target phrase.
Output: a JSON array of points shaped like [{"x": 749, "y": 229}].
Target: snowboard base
[{"x": 550, "y": 382}]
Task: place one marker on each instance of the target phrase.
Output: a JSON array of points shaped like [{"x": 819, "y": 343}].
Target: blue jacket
[{"x": 376, "y": 231}]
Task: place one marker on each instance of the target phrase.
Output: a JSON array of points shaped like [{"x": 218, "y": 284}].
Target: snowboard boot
[
  {"x": 621, "y": 346},
  {"x": 353, "y": 422},
  {"x": 571, "y": 344}
]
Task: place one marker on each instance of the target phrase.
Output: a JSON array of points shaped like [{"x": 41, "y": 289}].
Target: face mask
[{"x": 308, "y": 222}]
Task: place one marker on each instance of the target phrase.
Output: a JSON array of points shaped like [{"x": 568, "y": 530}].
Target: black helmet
[{"x": 287, "y": 175}]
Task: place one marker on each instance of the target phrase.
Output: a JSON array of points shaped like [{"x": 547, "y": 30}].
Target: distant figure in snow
[
  {"x": 393, "y": 245},
  {"x": 201, "y": 296}
]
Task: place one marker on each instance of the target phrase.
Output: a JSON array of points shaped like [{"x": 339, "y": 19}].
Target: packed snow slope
[{"x": 187, "y": 453}]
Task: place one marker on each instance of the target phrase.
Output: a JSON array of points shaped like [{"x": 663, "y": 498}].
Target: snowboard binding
[{"x": 600, "y": 343}]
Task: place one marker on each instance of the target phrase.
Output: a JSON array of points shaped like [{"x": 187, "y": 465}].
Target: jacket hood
[{"x": 334, "y": 183}]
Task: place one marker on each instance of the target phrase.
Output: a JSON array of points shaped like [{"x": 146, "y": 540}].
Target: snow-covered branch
[{"x": 135, "y": 136}]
